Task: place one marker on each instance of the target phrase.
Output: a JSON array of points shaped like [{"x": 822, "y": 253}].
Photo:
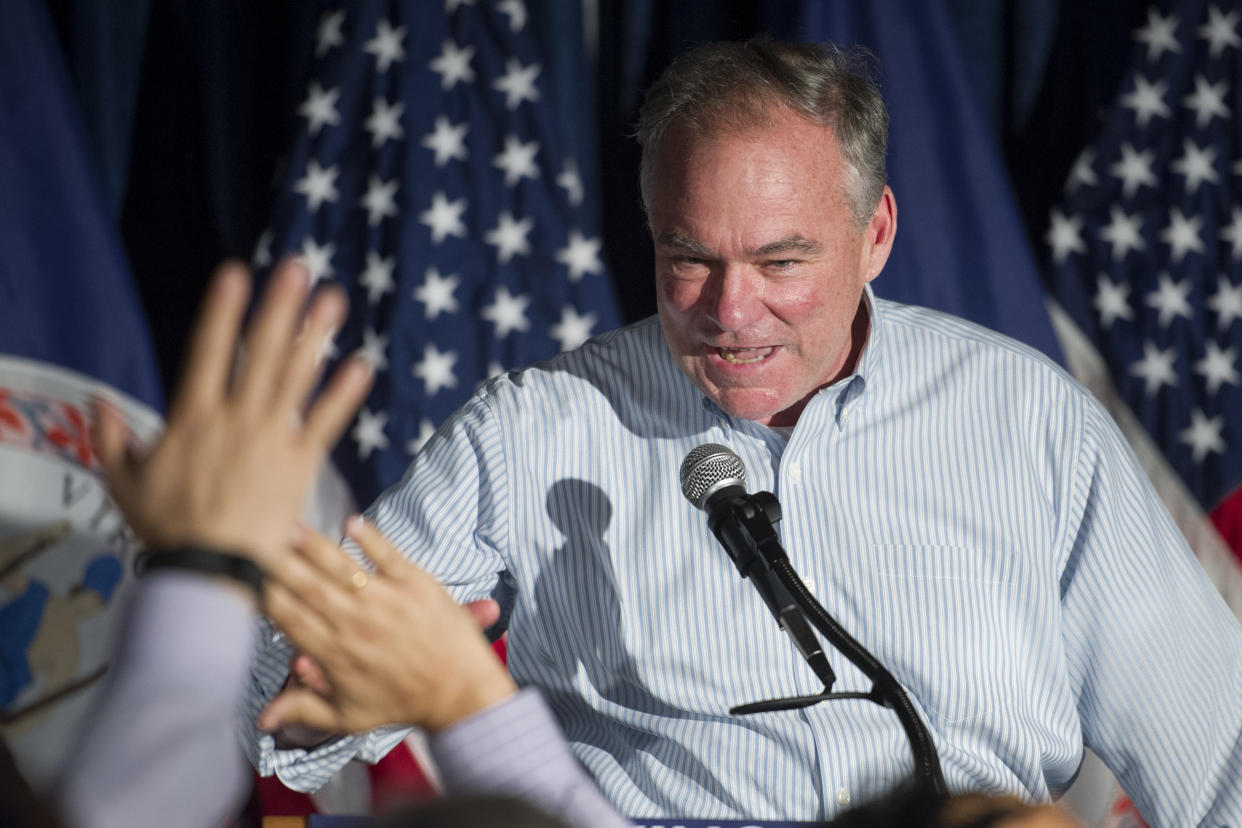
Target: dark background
[{"x": 189, "y": 106}]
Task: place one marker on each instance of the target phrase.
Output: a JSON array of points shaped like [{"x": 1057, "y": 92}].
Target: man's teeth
[{"x": 743, "y": 356}]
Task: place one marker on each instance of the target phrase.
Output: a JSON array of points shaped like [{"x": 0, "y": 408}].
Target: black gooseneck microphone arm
[{"x": 744, "y": 525}]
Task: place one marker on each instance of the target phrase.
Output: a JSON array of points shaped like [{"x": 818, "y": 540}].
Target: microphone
[{"x": 713, "y": 478}]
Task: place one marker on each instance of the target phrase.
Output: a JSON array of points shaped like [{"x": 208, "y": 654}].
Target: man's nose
[{"x": 735, "y": 299}]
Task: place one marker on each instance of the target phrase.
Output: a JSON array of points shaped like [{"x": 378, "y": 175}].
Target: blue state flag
[
  {"x": 66, "y": 294},
  {"x": 961, "y": 246}
]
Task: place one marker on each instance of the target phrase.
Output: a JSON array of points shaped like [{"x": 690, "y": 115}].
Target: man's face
[{"x": 760, "y": 265}]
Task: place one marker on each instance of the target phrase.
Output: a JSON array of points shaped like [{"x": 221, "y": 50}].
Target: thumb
[
  {"x": 299, "y": 706},
  {"x": 485, "y": 611},
  {"x": 307, "y": 672}
]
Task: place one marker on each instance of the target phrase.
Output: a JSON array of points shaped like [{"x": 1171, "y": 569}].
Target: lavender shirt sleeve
[
  {"x": 515, "y": 747},
  {"x": 160, "y": 747}
]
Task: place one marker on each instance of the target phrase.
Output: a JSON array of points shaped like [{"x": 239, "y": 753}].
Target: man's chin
[{"x": 749, "y": 405}]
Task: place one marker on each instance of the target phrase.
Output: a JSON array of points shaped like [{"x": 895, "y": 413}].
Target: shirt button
[
  {"x": 843, "y": 797},
  {"x": 809, "y": 584},
  {"x": 795, "y": 472}
]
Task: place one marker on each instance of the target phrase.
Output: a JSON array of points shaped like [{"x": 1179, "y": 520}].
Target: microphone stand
[{"x": 744, "y": 525}]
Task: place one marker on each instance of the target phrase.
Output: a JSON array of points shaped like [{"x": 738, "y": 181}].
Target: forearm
[
  {"x": 161, "y": 742},
  {"x": 515, "y": 747}
]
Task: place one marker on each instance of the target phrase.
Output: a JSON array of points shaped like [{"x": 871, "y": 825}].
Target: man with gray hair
[{"x": 959, "y": 504}]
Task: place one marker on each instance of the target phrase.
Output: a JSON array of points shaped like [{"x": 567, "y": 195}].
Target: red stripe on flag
[{"x": 1227, "y": 518}]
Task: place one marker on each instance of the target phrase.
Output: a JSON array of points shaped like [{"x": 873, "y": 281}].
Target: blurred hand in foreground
[
  {"x": 233, "y": 466},
  {"x": 380, "y": 647}
]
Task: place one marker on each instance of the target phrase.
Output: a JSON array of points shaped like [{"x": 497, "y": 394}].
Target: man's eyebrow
[
  {"x": 789, "y": 244},
  {"x": 685, "y": 244}
]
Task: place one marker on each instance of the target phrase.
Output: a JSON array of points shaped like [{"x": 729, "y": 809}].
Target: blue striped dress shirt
[{"x": 961, "y": 506}]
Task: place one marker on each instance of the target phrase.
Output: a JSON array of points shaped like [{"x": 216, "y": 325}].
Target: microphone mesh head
[{"x": 707, "y": 468}]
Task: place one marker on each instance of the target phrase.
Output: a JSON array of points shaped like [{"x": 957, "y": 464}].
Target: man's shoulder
[
  {"x": 965, "y": 358},
  {"x": 616, "y": 363},
  {"x": 922, "y": 327}
]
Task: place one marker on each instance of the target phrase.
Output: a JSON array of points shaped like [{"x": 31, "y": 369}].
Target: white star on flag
[
  {"x": 517, "y": 160},
  {"x": 1208, "y": 101},
  {"x": 1233, "y": 233},
  {"x": 509, "y": 236},
  {"x": 1226, "y": 303},
  {"x": 444, "y": 217},
  {"x": 1182, "y": 234},
  {"x": 573, "y": 328},
  {"x": 318, "y": 259},
  {"x": 1065, "y": 236},
  {"x": 369, "y": 432},
  {"x": 518, "y": 83},
  {"x": 447, "y": 141},
  {"x": 1155, "y": 368},
  {"x": 507, "y": 312},
  {"x": 374, "y": 349},
  {"x": 263, "y": 250},
  {"x": 377, "y": 278},
  {"x": 1171, "y": 299},
  {"x": 1147, "y": 100},
  {"x": 1220, "y": 30},
  {"x": 319, "y": 108},
  {"x": 384, "y": 123},
  {"x": 581, "y": 255},
  {"x": 436, "y": 369},
  {"x": 328, "y": 34},
  {"x": 516, "y": 12},
  {"x": 1204, "y": 435},
  {"x": 571, "y": 182},
  {"x": 1123, "y": 232},
  {"x": 1112, "y": 301},
  {"x": 386, "y": 46},
  {"x": 381, "y": 200},
  {"x": 1134, "y": 169},
  {"x": 436, "y": 293},
  {"x": 453, "y": 65},
  {"x": 1216, "y": 367},
  {"x": 1198, "y": 164},
  {"x": 318, "y": 185},
  {"x": 1160, "y": 34}
]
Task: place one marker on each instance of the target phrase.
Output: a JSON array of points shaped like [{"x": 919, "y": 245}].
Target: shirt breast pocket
[{"x": 944, "y": 621}]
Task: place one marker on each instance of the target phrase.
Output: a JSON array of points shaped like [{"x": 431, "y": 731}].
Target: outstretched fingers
[
  {"x": 378, "y": 550},
  {"x": 269, "y": 334},
  {"x": 335, "y": 406},
  {"x": 323, "y": 318},
  {"x": 210, "y": 352}
]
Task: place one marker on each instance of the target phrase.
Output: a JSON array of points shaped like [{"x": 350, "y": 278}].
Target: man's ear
[{"x": 880, "y": 234}]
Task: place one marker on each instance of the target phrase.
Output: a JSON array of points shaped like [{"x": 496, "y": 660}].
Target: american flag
[
  {"x": 429, "y": 179},
  {"x": 1146, "y": 251}
]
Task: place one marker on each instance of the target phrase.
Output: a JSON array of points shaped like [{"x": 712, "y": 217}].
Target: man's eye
[{"x": 782, "y": 264}]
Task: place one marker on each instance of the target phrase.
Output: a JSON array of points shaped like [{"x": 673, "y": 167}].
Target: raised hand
[
  {"x": 241, "y": 448},
  {"x": 388, "y": 646}
]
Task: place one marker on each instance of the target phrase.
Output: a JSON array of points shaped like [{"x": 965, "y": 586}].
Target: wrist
[
  {"x": 480, "y": 692},
  {"x": 233, "y": 570}
]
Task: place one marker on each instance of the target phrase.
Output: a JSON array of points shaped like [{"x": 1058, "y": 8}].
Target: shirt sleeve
[
  {"x": 1154, "y": 651},
  {"x": 159, "y": 744},
  {"x": 449, "y": 516},
  {"x": 515, "y": 748}
]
